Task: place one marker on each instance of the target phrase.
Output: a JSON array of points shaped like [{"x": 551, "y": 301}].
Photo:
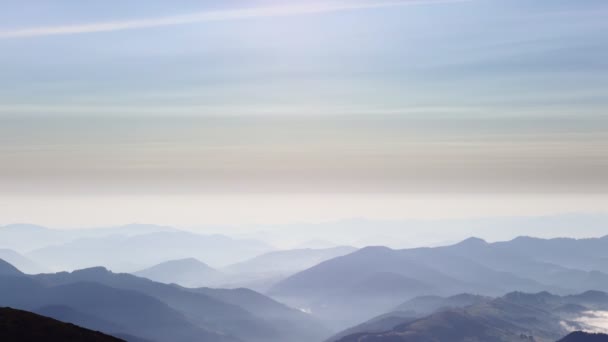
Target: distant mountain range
[
  {"x": 288, "y": 261},
  {"x": 264, "y": 271},
  {"x": 59, "y": 250},
  {"x": 23, "y": 326},
  {"x": 375, "y": 293},
  {"x": 258, "y": 273},
  {"x": 187, "y": 272},
  {"x": 27, "y": 237},
  {"x": 126, "y": 305},
  {"x": 22, "y": 263},
  {"x": 378, "y": 277},
  {"x": 514, "y": 317}
]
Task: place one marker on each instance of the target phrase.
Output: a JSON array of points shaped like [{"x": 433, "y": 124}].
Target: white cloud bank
[{"x": 590, "y": 321}]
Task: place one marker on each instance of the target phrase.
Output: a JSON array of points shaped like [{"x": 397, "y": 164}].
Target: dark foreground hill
[
  {"x": 580, "y": 336},
  {"x": 23, "y": 326}
]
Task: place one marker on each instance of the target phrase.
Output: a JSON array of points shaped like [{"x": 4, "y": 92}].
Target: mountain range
[
  {"x": 264, "y": 271},
  {"x": 112, "y": 247},
  {"x": 514, "y": 317},
  {"x": 126, "y": 305},
  {"x": 379, "y": 277},
  {"x": 188, "y": 272}
]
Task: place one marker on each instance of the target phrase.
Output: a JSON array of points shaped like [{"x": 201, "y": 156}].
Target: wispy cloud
[{"x": 207, "y": 16}]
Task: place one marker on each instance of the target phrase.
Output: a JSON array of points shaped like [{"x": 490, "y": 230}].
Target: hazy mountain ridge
[
  {"x": 24, "y": 237},
  {"x": 513, "y": 317},
  {"x": 410, "y": 311},
  {"x": 7, "y": 269},
  {"x": 188, "y": 272},
  {"x": 264, "y": 271},
  {"x": 116, "y": 251},
  {"x": 473, "y": 265},
  {"x": 139, "y": 314},
  {"x": 21, "y": 262},
  {"x": 288, "y": 261},
  {"x": 70, "y": 249},
  {"x": 121, "y": 303},
  {"x": 334, "y": 290}
]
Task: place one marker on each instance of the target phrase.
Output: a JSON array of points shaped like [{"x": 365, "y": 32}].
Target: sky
[{"x": 197, "y": 112}]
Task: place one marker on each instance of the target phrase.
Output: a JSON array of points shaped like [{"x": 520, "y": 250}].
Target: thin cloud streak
[{"x": 207, "y": 16}]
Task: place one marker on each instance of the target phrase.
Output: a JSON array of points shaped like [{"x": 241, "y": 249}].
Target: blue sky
[
  {"x": 354, "y": 96},
  {"x": 518, "y": 57}
]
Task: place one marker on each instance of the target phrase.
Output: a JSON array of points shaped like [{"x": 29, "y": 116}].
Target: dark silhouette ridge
[
  {"x": 23, "y": 326},
  {"x": 580, "y": 336}
]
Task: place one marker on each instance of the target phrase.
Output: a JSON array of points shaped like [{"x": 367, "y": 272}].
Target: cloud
[
  {"x": 208, "y": 16},
  {"x": 591, "y": 321}
]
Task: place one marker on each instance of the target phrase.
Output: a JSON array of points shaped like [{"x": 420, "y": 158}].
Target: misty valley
[
  {"x": 304, "y": 171},
  {"x": 157, "y": 283}
]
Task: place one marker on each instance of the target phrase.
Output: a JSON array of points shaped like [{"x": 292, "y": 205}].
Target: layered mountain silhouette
[
  {"x": 136, "y": 313},
  {"x": 264, "y": 271},
  {"x": 295, "y": 325},
  {"x": 23, "y": 326},
  {"x": 7, "y": 269},
  {"x": 152, "y": 248},
  {"x": 188, "y": 272},
  {"x": 332, "y": 289},
  {"x": 58, "y": 250},
  {"x": 410, "y": 311},
  {"x": 429, "y": 304},
  {"x": 289, "y": 261},
  {"x": 24, "y": 238},
  {"x": 21, "y": 262},
  {"x": 126, "y": 305},
  {"x": 516, "y": 316},
  {"x": 374, "y": 293}
]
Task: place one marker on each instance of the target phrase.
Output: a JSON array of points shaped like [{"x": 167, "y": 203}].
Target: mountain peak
[
  {"x": 23, "y": 227},
  {"x": 473, "y": 241},
  {"x": 8, "y": 269},
  {"x": 373, "y": 249},
  {"x": 93, "y": 271},
  {"x": 191, "y": 261}
]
